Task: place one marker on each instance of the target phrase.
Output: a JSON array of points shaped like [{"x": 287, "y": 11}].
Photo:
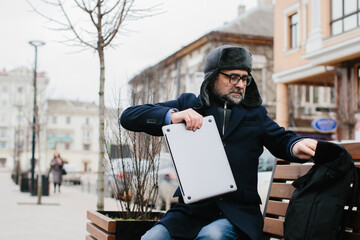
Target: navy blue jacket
[{"x": 248, "y": 131}]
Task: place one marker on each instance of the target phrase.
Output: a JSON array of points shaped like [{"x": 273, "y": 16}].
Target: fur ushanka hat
[{"x": 229, "y": 57}]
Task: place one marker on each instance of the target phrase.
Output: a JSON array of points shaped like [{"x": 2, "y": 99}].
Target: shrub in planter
[{"x": 132, "y": 170}]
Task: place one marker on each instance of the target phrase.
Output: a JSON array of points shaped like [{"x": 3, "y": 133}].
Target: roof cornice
[
  {"x": 214, "y": 36},
  {"x": 217, "y": 36}
]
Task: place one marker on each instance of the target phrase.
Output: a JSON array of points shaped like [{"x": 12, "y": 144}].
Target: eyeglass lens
[{"x": 234, "y": 79}]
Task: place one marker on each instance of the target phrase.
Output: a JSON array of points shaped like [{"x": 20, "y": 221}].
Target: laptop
[{"x": 200, "y": 161}]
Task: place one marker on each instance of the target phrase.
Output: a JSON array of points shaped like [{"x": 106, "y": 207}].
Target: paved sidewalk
[{"x": 62, "y": 216}]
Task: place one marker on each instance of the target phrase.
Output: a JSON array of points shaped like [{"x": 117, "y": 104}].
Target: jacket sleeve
[
  {"x": 148, "y": 118},
  {"x": 278, "y": 140}
]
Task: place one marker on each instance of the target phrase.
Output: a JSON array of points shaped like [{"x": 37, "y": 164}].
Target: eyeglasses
[{"x": 235, "y": 79}]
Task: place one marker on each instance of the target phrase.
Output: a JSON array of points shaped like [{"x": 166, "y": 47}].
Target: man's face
[{"x": 230, "y": 92}]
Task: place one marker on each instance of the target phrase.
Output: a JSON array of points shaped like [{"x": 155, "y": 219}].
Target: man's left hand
[{"x": 305, "y": 149}]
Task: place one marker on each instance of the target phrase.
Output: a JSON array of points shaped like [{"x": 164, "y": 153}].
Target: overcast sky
[{"x": 75, "y": 75}]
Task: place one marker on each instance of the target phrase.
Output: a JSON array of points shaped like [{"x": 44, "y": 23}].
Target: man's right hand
[{"x": 193, "y": 120}]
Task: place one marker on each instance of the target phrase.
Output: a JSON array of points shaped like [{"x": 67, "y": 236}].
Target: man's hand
[
  {"x": 305, "y": 149},
  {"x": 192, "y": 119}
]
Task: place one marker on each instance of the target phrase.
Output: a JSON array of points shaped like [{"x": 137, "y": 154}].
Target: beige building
[
  {"x": 16, "y": 116},
  {"x": 182, "y": 71},
  {"x": 316, "y": 65},
  {"x": 72, "y": 129}
]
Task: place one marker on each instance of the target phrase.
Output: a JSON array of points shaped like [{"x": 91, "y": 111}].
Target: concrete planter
[{"x": 104, "y": 227}]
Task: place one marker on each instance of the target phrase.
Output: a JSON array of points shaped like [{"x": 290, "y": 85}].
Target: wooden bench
[{"x": 281, "y": 191}]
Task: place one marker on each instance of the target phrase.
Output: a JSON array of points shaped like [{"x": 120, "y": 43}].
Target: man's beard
[{"x": 232, "y": 100}]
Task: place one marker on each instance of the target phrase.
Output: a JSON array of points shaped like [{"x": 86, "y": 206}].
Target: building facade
[
  {"x": 70, "y": 127},
  {"x": 316, "y": 65},
  {"x": 16, "y": 116}
]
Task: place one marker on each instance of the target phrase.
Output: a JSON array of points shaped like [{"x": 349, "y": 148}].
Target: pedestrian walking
[{"x": 56, "y": 168}]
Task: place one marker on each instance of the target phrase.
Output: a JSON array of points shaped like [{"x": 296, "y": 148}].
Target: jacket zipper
[{"x": 224, "y": 121}]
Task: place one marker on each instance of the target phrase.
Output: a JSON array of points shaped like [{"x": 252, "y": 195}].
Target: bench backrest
[{"x": 281, "y": 191}]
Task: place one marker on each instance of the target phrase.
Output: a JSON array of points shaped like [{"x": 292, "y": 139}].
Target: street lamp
[{"x": 35, "y": 44}]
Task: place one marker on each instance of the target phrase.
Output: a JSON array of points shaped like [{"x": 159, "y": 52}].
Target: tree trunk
[
  {"x": 100, "y": 180},
  {"x": 346, "y": 103}
]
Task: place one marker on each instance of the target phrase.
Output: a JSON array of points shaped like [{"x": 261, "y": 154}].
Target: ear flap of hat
[
  {"x": 204, "y": 90},
  {"x": 252, "y": 95}
]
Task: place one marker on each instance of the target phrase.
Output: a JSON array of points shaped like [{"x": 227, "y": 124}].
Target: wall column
[
  {"x": 282, "y": 105},
  {"x": 314, "y": 42}
]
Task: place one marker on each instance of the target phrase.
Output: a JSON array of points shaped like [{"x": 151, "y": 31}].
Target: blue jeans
[{"x": 220, "y": 229}]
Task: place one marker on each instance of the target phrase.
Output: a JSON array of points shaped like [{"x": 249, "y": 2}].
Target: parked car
[
  {"x": 73, "y": 174},
  {"x": 168, "y": 182},
  {"x": 266, "y": 164},
  {"x": 266, "y": 161},
  {"x": 116, "y": 173}
]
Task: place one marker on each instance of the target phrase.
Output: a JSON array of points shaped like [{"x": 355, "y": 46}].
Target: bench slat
[
  {"x": 102, "y": 221},
  {"x": 351, "y": 236},
  {"x": 89, "y": 237},
  {"x": 277, "y": 208},
  {"x": 353, "y": 149},
  {"x": 99, "y": 233},
  {"x": 281, "y": 190},
  {"x": 291, "y": 172},
  {"x": 274, "y": 226}
]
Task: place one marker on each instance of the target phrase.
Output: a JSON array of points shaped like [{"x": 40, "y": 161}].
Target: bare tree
[
  {"x": 93, "y": 25},
  {"x": 133, "y": 165}
]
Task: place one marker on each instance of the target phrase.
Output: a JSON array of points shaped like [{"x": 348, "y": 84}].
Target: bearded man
[{"x": 229, "y": 93}]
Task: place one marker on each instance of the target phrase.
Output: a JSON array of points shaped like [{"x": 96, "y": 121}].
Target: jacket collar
[{"x": 237, "y": 115}]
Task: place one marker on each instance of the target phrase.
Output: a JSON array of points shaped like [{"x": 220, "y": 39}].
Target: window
[
  {"x": 2, "y": 145},
  {"x": 307, "y": 94},
  {"x": 332, "y": 95},
  {"x": 4, "y": 89},
  {"x": 87, "y": 121},
  {"x": 54, "y": 119},
  {"x": 20, "y": 89},
  {"x": 68, "y": 120},
  {"x": 86, "y": 134},
  {"x": 345, "y": 15},
  {"x": 2, "y": 132},
  {"x": 316, "y": 95},
  {"x": 86, "y": 147},
  {"x": 294, "y": 30}
]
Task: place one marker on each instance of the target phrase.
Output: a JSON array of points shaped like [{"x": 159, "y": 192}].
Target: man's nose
[{"x": 240, "y": 84}]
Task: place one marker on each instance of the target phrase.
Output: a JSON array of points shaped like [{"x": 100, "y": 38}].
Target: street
[{"x": 61, "y": 216}]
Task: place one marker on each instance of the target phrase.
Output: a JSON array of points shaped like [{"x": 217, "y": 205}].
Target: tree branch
[{"x": 71, "y": 26}]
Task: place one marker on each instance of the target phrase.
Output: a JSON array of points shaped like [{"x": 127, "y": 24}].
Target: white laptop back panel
[{"x": 200, "y": 160}]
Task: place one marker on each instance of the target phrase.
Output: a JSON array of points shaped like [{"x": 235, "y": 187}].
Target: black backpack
[{"x": 316, "y": 208}]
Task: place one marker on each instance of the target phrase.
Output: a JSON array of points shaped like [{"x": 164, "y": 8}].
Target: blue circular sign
[{"x": 324, "y": 125}]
